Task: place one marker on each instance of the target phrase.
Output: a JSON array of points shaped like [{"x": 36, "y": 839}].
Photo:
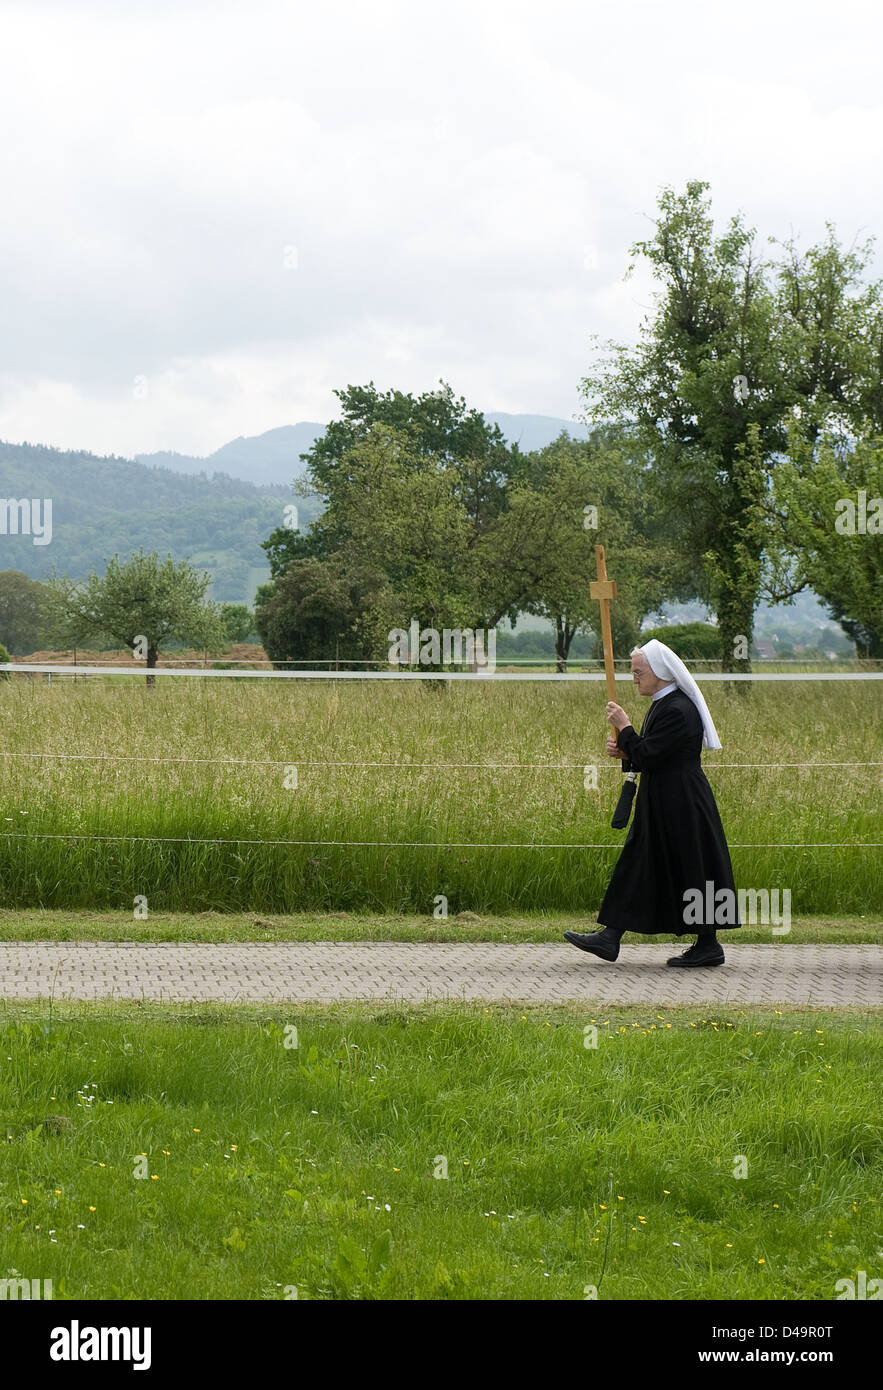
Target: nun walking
[{"x": 675, "y": 861}]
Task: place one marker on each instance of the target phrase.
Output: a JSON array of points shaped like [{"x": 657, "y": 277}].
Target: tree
[
  {"x": 141, "y": 603},
  {"x": 831, "y": 325},
  {"x": 831, "y": 502},
  {"x": 413, "y": 526},
  {"x": 22, "y": 618},
  {"x": 435, "y": 425},
  {"x": 704, "y": 391},
  {"x": 734, "y": 345},
  {"x": 237, "y": 620},
  {"x": 579, "y": 493},
  {"x": 314, "y": 610},
  {"x": 691, "y": 641}
]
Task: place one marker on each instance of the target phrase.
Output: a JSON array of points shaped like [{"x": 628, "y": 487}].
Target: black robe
[{"x": 676, "y": 842}]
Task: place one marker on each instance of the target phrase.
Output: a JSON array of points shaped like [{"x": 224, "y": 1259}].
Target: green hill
[{"x": 101, "y": 506}]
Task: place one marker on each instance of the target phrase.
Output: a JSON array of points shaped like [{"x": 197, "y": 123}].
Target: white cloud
[{"x": 461, "y": 185}]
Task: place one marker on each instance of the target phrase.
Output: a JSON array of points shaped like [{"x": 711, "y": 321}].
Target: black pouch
[{"x": 624, "y": 805}]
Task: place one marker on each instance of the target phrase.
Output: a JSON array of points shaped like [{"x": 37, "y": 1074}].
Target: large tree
[
  {"x": 402, "y": 529},
  {"x": 412, "y": 488},
  {"x": 141, "y": 603},
  {"x": 436, "y": 425},
  {"x": 736, "y": 342},
  {"x": 703, "y": 390},
  {"x": 315, "y": 611}
]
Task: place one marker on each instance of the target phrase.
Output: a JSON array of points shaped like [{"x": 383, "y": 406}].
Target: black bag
[{"x": 624, "y": 805}]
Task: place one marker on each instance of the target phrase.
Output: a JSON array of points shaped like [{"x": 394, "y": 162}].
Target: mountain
[
  {"x": 108, "y": 505},
  {"x": 273, "y": 457},
  {"x": 531, "y": 432}
]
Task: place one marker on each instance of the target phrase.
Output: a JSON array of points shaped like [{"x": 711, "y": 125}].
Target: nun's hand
[
  {"x": 617, "y": 715},
  {"x": 614, "y": 750}
]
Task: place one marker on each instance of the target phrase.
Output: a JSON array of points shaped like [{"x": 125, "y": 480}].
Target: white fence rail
[{"x": 48, "y": 668}]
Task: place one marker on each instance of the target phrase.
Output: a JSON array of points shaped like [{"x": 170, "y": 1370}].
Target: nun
[{"x": 674, "y": 875}]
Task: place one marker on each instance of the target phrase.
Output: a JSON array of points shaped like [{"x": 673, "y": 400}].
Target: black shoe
[
  {"x": 599, "y": 943},
  {"x": 703, "y": 953}
]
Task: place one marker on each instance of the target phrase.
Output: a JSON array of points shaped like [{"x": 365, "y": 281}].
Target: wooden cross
[{"x": 604, "y": 590}]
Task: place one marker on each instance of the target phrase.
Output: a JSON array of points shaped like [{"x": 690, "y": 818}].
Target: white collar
[{"x": 666, "y": 690}]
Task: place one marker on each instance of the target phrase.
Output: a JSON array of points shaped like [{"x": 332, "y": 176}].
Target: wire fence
[
  {"x": 772, "y": 769},
  {"x": 294, "y": 761},
  {"x": 76, "y": 671},
  {"x": 399, "y": 844}
]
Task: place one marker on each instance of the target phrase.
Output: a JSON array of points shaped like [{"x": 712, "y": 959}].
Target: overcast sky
[{"x": 215, "y": 213}]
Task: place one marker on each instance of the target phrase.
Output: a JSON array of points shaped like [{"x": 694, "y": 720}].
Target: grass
[
  {"x": 435, "y": 797},
  {"x": 84, "y": 925},
  {"x": 271, "y": 1168}
]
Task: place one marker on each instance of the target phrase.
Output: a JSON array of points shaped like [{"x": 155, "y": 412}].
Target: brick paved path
[{"x": 825, "y": 975}]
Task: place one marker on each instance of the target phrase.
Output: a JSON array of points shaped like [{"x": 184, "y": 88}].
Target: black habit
[{"x": 676, "y": 842}]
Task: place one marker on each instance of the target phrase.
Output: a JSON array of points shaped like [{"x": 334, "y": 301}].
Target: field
[
  {"x": 318, "y": 1171},
  {"x": 476, "y": 793},
  {"x": 441, "y": 1153}
]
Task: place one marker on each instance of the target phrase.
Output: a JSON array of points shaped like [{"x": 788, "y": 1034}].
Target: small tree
[
  {"x": 690, "y": 641},
  {"x": 141, "y": 603},
  {"x": 315, "y": 609},
  {"x": 237, "y": 621},
  {"x": 21, "y": 611}
]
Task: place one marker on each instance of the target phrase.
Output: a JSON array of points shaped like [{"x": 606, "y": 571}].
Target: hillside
[
  {"x": 101, "y": 506},
  {"x": 212, "y": 511}
]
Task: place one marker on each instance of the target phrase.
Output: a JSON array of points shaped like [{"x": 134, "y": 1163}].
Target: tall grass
[{"x": 423, "y": 804}]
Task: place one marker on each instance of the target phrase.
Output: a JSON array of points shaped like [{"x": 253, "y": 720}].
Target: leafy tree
[
  {"x": 21, "y": 612},
  {"x": 419, "y": 524},
  {"x": 4, "y": 657},
  {"x": 690, "y": 640},
  {"x": 703, "y": 389},
  {"x": 237, "y": 620},
  {"x": 435, "y": 425},
  {"x": 458, "y": 531},
  {"x": 142, "y": 600},
  {"x": 314, "y": 610},
  {"x": 579, "y": 493},
  {"x": 831, "y": 327},
  {"x": 831, "y": 504}
]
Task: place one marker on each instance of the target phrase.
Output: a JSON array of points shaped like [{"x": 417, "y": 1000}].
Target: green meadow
[
  {"x": 439, "y": 1153},
  {"x": 398, "y": 793}
]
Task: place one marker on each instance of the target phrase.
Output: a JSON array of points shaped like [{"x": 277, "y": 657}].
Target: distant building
[{"x": 765, "y": 650}]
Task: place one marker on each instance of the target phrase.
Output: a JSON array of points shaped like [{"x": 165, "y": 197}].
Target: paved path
[{"x": 831, "y": 976}]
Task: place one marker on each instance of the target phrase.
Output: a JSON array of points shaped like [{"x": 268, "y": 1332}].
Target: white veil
[{"x": 667, "y": 665}]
